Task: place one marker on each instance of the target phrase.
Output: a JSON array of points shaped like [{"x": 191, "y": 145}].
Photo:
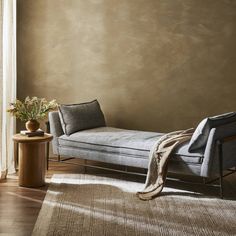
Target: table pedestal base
[{"x": 32, "y": 160}]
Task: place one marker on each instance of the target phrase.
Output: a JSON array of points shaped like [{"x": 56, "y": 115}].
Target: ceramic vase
[{"x": 32, "y": 125}]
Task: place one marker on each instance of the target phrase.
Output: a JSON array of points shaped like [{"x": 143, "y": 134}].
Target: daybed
[{"x": 215, "y": 152}]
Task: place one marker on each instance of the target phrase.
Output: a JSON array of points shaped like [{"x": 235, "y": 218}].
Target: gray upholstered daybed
[{"x": 80, "y": 131}]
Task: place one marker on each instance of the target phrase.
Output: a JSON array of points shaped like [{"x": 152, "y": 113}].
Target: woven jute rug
[{"x": 79, "y": 204}]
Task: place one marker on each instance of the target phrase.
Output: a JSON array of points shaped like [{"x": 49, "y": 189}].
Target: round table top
[{"x": 19, "y": 138}]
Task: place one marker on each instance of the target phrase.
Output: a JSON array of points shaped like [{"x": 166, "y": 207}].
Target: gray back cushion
[
  {"x": 200, "y": 135},
  {"x": 76, "y": 117}
]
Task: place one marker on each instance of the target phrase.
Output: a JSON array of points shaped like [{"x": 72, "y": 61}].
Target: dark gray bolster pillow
[{"x": 76, "y": 117}]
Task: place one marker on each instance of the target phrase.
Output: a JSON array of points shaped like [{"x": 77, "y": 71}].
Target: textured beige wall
[
  {"x": 156, "y": 65},
  {"x": 1, "y": 71}
]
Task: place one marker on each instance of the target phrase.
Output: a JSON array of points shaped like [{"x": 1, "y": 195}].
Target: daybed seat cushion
[{"x": 122, "y": 142}]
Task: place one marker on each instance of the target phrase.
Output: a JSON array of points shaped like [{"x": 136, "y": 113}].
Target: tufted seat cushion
[{"x": 122, "y": 142}]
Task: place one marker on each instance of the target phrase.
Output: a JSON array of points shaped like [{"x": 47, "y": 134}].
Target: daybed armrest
[
  {"x": 55, "y": 129},
  {"x": 211, "y": 159}
]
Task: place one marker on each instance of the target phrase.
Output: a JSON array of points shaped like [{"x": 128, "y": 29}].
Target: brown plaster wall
[{"x": 156, "y": 65}]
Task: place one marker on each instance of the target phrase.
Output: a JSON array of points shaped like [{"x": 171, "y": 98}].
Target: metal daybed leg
[
  {"x": 85, "y": 167},
  {"x": 220, "y": 154},
  {"x": 204, "y": 180},
  {"x": 58, "y": 158}
]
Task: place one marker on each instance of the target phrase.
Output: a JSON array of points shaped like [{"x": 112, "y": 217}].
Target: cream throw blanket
[{"x": 158, "y": 157}]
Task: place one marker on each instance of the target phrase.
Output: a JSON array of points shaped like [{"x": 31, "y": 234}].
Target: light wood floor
[{"x": 19, "y": 206}]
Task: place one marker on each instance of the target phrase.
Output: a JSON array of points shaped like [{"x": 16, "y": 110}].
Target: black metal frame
[
  {"x": 220, "y": 156},
  {"x": 219, "y": 143}
]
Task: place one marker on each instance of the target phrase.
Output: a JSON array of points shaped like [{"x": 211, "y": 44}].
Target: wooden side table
[{"x": 32, "y": 159}]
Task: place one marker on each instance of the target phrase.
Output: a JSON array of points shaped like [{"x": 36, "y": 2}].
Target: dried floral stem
[{"x": 32, "y": 108}]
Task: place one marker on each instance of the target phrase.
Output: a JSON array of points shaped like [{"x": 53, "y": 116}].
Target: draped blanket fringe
[{"x": 158, "y": 162}]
